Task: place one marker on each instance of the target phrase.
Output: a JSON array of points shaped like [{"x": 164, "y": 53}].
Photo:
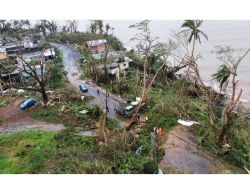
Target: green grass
[
  {"x": 70, "y": 116},
  {"x": 48, "y": 152},
  {"x": 3, "y": 103},
  {"x": 26, "y": 152},
  {"x": 67, "y": 152},
  {"x": 112, "y": 124}
]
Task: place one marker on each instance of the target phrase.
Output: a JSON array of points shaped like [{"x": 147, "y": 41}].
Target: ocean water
[{"x": 234, "y": 33}]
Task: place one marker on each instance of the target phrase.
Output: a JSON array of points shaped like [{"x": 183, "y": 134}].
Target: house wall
[
  {"x": 113, "y": 71},
  {"x": 98, "y": 48},
  {"x": 124, "y": 65}
]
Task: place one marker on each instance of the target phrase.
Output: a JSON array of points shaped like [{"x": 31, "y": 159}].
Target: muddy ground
[{"x": 14, "y": 119}]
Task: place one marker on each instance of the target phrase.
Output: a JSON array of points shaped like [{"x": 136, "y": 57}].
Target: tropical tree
[
  {"x": 148, "y": 46},
  {"x": 72, "y": 25},
  {"x": 226, "y": 76},
  {"x": 194, "y": 35},
  {"x": 222, "y": 75},
  {"x": 107, "y": 28},
  {"x": 32, "y": 70},
  {"x": 192, "y": 26},
  {"x": 93, "y": 27},
  {"x": 4, "y": 26}
]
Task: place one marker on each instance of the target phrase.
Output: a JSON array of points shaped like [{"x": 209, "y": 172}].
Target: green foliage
[
  {"x": 3, "y": 103},
  {"x": 193, "y": 27},
  {"x": 150, "y": 167},
  {"x": 112, "y": 124},
  {"x": 56, "y": 77},
  {"x": 81, "y": 37},
  {"x": 238, "y": 139},
  {"x": 68, "y": 138},
  {"x": 122, "y": 157},
  {"x": 222, "y": 74},
  {"x": 163, "y": 109},
  {"x": 72, "y": 116},
  {"x": 47, "y": 152},
  {"x": 26, "y": 152}
]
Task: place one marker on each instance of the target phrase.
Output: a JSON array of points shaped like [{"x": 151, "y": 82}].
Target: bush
[
  {"x": 56, "y": 77},
  {"x": 150, "y": 167}
]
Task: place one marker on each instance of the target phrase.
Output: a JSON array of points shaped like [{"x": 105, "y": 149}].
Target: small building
[
  {"x": 13, "y": 77},
  {"x": 97, "y": 46},
  {"x": 119, "y": 65},
  {"x": 33, "y": 57},
  {"x": 111, "y": 54}
]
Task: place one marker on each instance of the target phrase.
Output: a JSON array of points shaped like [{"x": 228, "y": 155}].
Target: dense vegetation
[{"x": 168, "y": 97}]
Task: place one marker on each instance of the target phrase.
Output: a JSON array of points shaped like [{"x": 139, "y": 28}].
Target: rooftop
[
  {"x": 93, "y": 43},
  {"x": 111, "y": 54}
]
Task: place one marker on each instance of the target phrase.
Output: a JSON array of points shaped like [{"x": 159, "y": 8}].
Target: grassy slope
[{"x": 47, "y": 152}]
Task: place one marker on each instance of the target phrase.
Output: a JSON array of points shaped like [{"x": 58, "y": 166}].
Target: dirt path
[
  {"x": 15, "y": 120},
  {"x": 29, "y": 125},
  {"x": 182, "y": 155}
]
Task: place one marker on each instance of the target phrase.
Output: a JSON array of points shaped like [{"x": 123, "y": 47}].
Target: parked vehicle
[
  {"x": 28, "y": 103},
  {"x": 129, "y": 110},
  {"x": 125, "y": 111},
  {"x": 83, "y": 87}
]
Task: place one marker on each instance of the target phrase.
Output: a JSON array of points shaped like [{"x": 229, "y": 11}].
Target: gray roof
[
  {"x": 96, "y": 42},
  {"x": 111, "y": 54}
]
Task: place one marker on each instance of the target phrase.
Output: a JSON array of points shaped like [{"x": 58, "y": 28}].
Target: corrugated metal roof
[{"x": 96, "y": 42}]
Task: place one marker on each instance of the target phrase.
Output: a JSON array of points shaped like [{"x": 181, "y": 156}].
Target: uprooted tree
[{"x": 147, "y": 47}]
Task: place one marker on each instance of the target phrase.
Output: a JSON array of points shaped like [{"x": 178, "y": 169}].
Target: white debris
[
  {"x": 83, "y": 111},
  {"x": 138, "y": 99},
  {"x": 160, "y": 171},
  {"x": 20, "y": 91},
  {"x": 82, "y": 97},
  {"x": 186, "y": 122},
  {"x": 135, "y": 103},
  {"x": 226, "y": 146},
  {"x": 49, "y": 92}
]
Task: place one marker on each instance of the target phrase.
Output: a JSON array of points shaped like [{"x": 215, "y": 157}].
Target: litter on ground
[
  {"x": 20, "y": 91},
  {"x": 186, "y": 122},
  {"x": 83, "y": 111}
]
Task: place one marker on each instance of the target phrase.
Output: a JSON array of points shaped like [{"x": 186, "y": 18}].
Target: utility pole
[
  {"x": 152, "y": 135},
  {"x": 106, "y": 105}
]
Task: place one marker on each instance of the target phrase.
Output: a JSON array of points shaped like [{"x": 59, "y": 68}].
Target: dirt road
[{"x": 182, "y": 155}]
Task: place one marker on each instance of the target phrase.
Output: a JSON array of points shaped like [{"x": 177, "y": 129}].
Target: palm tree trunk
[{"x": 184, "y": 81}]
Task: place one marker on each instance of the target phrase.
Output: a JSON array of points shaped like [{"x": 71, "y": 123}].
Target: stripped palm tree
[
  {"x": 192, "y": 26},
  {"x": 195, "y": 33}
]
